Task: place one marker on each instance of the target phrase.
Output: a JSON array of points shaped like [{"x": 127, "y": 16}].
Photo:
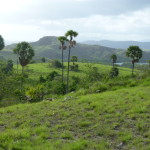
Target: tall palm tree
[
  {"x": 135, "y": 53},
  {"x": 114, "y": 59},
  {"x": 70, "y": 35},
  {"x": 62, "y": 40}
]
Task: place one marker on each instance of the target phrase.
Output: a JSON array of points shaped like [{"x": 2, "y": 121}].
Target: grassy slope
[
  {"x": 35, "y": 70},
  {"x": 110, "y": 120}
]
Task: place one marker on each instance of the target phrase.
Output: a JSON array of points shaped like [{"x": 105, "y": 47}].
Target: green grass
[
  {"x": 38, "y": 69},
  {"x": 109, "y": 120}
]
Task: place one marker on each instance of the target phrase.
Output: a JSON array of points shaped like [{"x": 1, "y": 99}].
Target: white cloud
[{"x": 28, "y": 20}]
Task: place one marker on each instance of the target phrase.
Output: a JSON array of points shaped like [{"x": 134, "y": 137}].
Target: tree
[
  {"x": 74, "y": 59},
  {"x": 25, "y": 53},
  {"x": 62, "y": 40},
  {"x": 114, "y": 72},
  {"x": 114, "y": 59},
  {"x": 135, "y": 53},
  {"x": 1, "y": 43},
  {"x": 43, "y": 59},
  {"x": 56, "y": 63},
  {"x": 70, "y": 35}
]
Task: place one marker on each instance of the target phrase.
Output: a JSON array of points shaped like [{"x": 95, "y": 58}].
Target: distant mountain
[
  {"x": 48, "y": 47},
  {"x": 119, "y": 44}
]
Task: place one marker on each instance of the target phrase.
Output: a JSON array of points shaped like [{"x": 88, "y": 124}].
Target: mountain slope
[
  {"x": 119, "y": 44},
  {"x": 49, "y": 47},
  {"x": 110, "y": 120}
]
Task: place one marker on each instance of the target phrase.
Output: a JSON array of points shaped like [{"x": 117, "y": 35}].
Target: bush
[
  {"x": 52, "y": 76},
  {"x": 74, "y": 68},
  {"x": 56, "y": 87},
  {"x": 74, "y": 83},
  {"x": 56, "y": 63},
  {"x": 93, "y": 74},
  {"x": 114, "y": 72},
  {"x": 42, "y": 79},
  {"x": 36, "y": 94}
]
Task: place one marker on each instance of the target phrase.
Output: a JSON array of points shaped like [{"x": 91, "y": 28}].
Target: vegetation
[
  {"x": 43, "y": 59},
  {"x": 104, "y": 107},
  {"x": 70, "y": 34},
  {"x": 56, "y": 63},
  {"x": 135, "y": 53},
  {"x": 114, "y": 59},
  {"x": 62, "y": 40},
  {"x": 24, "y": 52},
  {"x": 1, "y": 43}
]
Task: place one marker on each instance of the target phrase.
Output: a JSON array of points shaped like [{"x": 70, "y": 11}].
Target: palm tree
[
  {"x": 70, "y": 35},
  {"x": 62, "y": 40},
  {"x": 74, "y": 59},
  {"x": 135, "y": 53},
  {"x": 25, "y": 53},
  {"x": 114, "y": 59},
  {"x": 1, "y": 43}
]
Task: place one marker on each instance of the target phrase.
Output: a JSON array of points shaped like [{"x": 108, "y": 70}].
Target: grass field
[
  {"x": 38, "y": 69},
  {"x": 110, "y": 120},
  {"x": 117, "y": 118}
]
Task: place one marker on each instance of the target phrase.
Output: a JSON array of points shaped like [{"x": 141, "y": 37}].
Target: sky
[{"x": 119, "y": 20}]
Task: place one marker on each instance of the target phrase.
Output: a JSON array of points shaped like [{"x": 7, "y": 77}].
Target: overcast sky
[{"x": 29, "y": 20}]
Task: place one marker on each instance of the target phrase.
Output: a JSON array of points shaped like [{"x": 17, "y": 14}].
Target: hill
[
  {"x": 110, "y": 120},
  {"x": 49, "y": 47},
  {"x": 119, "y": 44}
]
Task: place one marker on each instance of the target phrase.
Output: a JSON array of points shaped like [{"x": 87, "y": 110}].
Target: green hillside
[
  {"x": 110, "y": 120},
  {"x": 49, "y": 47},
  {"x": 100, "y": 112}
]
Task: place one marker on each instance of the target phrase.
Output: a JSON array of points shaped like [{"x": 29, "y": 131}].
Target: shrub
[
  {"x": 56, "y": 63},
  {"x": 36, "y": 94},
  {"x": 74, "y": 83},
  {"x": 74, "y": 68},
  {"x": 42, "y": 79},
  {"x": 114, "y": 72},
  {"x": 51, "y": 76},
  {"x": 57, "y": 87},
  {"x": 93, "y": 74}
]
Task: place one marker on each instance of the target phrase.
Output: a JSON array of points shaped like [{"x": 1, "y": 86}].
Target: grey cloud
[{"x": 43, "y": 10}]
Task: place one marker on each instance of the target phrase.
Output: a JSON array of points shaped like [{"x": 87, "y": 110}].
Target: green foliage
[
  {"x": 75, "y": 81},
  {"x": 42, "y": 79},
  {"x": 75, "y": 67},
  {"x": 1, "y": 43},
  {"x": 43, "y": 59},
  {"x": 9, "y": 67},
  {"x": 114, "y": 72},
  {"x": 62, "y": 40},
  {"x": 36, "y": 93},
  {"x": 114, "y": 58},
  {"x": 25, "y": 53},
  {"x": 51, "y": 76},
  {"x": 57, "y": 87},
  {"x": 92, "y": 74},
  {"x": 56, "y": 63},
  {"x": 135, "y": 53}
]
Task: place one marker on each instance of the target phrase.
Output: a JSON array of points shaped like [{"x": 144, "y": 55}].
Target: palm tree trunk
[
  {"x": 68, "y": 71},
  {"x": 17, "y": 65},
  {"x": 62, "y": 66},
  {"x": 132, "y": 69}
]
